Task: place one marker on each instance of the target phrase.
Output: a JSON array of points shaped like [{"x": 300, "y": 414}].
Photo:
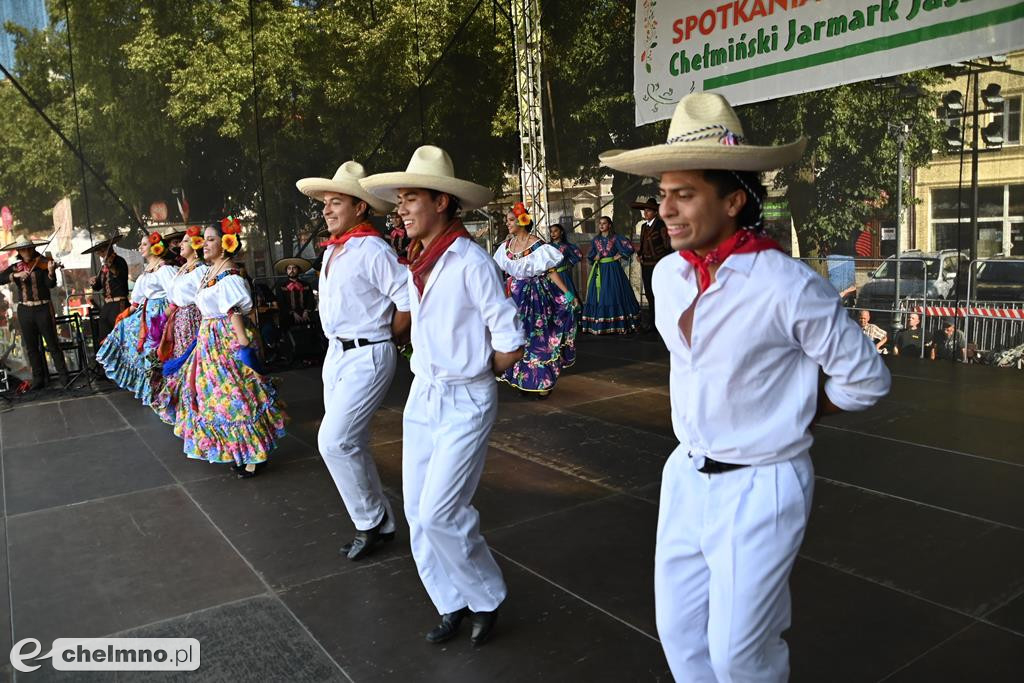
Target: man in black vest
[
  {"x": 33, "y": 276},
  {"x": 654, "y": 246},
  {"x": 110, "y": 284}
]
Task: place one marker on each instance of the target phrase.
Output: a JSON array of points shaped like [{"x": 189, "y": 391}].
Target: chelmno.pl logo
[{"x": 109, "y": 654}]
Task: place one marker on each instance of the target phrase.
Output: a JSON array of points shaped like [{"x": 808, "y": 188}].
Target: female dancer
[
  {"x": 570, "y": 256},
  {"x": 611, "y": 306},
  {"x": 128, "y": 354},
  {"x": 183, "y": 319},
  {"x": 226, "y": 411},
  {"x": 547, "y": 308}
]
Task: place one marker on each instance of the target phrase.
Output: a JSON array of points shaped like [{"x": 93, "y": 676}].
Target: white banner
[{"x": 754, "y": 50}]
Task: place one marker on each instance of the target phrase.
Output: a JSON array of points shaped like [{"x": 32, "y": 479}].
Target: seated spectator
[
  {"x": 908, "y": 340},
  {"x": 948, "y": 342},
  {"x": 295, "y": 301},
  {"x": 875, "y": 333}
]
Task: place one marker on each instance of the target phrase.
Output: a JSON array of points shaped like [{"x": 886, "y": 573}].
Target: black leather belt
[
  {"x": 349, "y": 344},
  {"x": 714, "y": 467}
]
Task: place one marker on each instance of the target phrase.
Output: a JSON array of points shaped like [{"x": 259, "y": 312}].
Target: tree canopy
[{"x": 166, "y": 100}]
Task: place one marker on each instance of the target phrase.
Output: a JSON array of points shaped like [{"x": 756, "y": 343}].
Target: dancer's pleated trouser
[
  {"x": 444, "y": 446},
  {"x": 355, "y": 383},
  {"x": 726, "y": 546}
]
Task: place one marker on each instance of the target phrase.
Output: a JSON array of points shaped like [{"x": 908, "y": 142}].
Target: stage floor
[{"x": 912, "y": 568}]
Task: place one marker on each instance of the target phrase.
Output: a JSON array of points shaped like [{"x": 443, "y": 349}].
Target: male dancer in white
[
  {"x": 464, "y": 331},
  {"x": 364, "y": 304},
  {"x": 749, "y": 329}
]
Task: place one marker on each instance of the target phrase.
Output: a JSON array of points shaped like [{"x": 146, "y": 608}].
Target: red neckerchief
[
  {"x": 743, "y": 241},
  {"x": 361, "y": 230},
  {"x": 294, "y": 286},
  {"x": 421, "y": 260}
]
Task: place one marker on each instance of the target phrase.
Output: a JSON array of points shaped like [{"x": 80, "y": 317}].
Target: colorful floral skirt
[
  {"x": 223, "y": 409},
  {"x": 611, "y": 306},
  {"x": 186, "y": 327},
  {"x": 123, "y": 362},
  {"x": 550, "y": 327}
]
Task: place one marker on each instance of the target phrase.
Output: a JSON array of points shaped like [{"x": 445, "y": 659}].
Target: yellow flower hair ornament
[
  {"x": 229, "y": 242},
  {"x": 157, "y": 249}
]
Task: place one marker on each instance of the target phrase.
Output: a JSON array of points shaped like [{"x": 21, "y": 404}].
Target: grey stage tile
[
  {"x": 33, "y": 424},
  {"x": 132, "y": 410},
  {"x": 372, "y": 622},
  {"x": 603, "y": 552},
  {"x": 624, "y": 372},
  {"x": 1010, "y": 615},
  {"x": 981, "y": 487},
  {"x": 288, "y": 522},
  {"x": 250, "y": 640},
  {"x": 848, "y": 629},
  {"x": 511, "y": 490},
  {"x": 648, "y": 348},
  {"x": 106, "y": 566},
  {"x": 592, "y": 448},
  {"x": 5, "y": 598},
  {"x": 980, "y": 653},
  {"x": 74, "y": 470},
  {"x": 649, "y": 411},
  {"x": 958, "y": 561}
]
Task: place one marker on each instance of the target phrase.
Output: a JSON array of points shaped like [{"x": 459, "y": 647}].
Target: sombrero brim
[
  {"x": 643, "y": 205},
  {"x": 316, "y": 187},
  {"x": 387, "y": 185},
  {"x": 283, "y": 264},
  {"x": 23, "y": 245},
  {"x": 101, "y": 246},
  {"x": 653, "y": 161}
]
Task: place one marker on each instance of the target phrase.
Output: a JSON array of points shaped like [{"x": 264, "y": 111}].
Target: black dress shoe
[
  {"x": 448, "y": 627},
  {"x": 483, "y": 625},
  {"x": 366, "y": 542}
]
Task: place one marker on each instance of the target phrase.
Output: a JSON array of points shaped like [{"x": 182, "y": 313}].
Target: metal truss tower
[{"x": 534, "y": 172}]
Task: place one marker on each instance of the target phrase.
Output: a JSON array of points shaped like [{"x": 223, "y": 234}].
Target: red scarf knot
[
  {"x": 295, "y": 286},
  {"x": 743, "y": 241},
  {"x": 421, "y": 261},
  {"x": 361, "y": 230}
]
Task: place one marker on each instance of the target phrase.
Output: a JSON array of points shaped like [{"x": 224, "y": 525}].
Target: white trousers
[
  {"x": 726, "y": 546},
  {"x": 444, "y": 445},
  {"x": 355, "y": 383}
]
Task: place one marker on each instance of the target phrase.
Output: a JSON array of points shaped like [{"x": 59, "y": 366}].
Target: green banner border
[{"x": 949, "y": 28}]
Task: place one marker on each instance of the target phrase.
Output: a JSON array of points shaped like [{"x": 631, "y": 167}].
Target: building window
[
  {"x": 1000, "y": 208},
  {"x": 1010, "y": 119}
]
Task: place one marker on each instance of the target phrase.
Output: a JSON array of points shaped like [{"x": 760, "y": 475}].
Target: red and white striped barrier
[{"x": 973, "y": 311}]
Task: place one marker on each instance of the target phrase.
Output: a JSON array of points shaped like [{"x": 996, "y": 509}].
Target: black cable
[
  {"x": 75, "y": 150},
  {"x": 78, "y": 130},
  {"x": 426, "y": 79},
  {"x": 256, "y": 123}
]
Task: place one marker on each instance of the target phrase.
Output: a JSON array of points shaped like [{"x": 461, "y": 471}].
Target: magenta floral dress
[
  {"x": 224, "y": 410},
  {"x": 547, "y": 319}
]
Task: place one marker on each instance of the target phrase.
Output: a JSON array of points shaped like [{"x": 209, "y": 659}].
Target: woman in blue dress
[
  {"x": 611, "y": 306},
  {"x": 547, "y": 308},
  {"x": 570, "y": 256}
]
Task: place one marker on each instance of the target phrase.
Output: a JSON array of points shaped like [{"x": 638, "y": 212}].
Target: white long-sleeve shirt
[
  {"x": 229, "y": 293},
  {"x": 154, "y": 285},
  {"x": 360, "y": 290},
  {"x": 462, "y": 318},
  {"x": 746, "y": 389}
]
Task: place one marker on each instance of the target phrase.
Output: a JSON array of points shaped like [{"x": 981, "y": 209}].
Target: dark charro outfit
[
  {"x": 111, "y": 283},
  {"x": 35, "y": 316},
  {"x": 654, "y": 246}
]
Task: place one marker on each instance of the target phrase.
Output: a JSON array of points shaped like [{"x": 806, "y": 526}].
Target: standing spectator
[
  {"x": 948, "y": 343},
  {"x": 295, "y": 301},
  {"x": 908, "y": 340},
  {"x": 654, "y": 246},
  {"x": 397, "y": 236},
  {"x": 875, "y": 333}
]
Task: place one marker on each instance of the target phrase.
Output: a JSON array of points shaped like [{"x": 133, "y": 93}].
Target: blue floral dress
[
  {"x": 548, "y": 321},
  {"x": 611, "y": 306},
  {"x": 570, "y": 257}
]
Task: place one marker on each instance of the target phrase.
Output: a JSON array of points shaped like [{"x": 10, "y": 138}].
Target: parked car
[
  {"x": 934, "y": 274},
  {"x": 1000, "y": 279}
]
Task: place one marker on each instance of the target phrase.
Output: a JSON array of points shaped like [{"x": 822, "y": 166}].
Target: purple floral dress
[{"x": 548, "y": 321}]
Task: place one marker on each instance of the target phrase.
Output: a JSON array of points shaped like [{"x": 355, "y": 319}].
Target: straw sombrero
[
  {"x": 104, "y": 245},
  {"x": 347, "y": 180},
  {"x": 23, "y": 243},
  {"x": 705, "y": 133},
  {"x": 282, "y": 264},
  {"x": 431, "y": 169}
]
